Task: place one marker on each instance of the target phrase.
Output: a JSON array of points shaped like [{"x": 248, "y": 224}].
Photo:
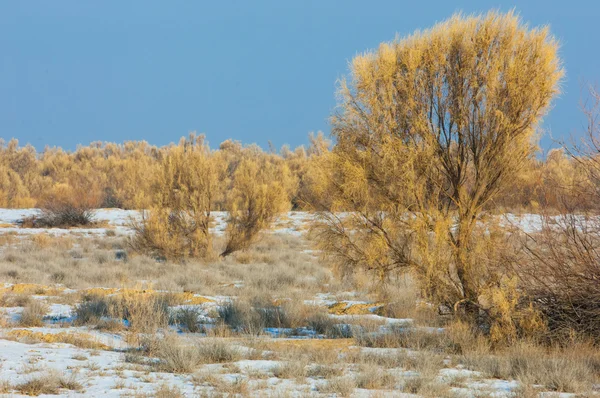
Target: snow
[
  {"x": 98, "y": 373},
  {"x": 106, "y": 373},
  {"x": 293, "y": 223},
  {"x": 60, "y": 312},
  {"x": 373, "y": 317},
  {"x": 119, "y": 221}
]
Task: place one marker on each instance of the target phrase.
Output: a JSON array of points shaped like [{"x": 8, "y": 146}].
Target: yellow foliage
[
  {"x": 259, "y": 191},
  {"x": 177, "y": 226},
  {"x": 430, "y": 129}
]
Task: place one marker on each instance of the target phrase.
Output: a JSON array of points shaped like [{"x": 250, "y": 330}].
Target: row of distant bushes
[{"x": 106, "y": 175}]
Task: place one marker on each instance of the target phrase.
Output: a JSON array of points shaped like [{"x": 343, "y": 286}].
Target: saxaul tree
[
  {"x": 260, "y": 189},
  {"x": 429, "y": 129},
  {"x": 177, "y": 226}
]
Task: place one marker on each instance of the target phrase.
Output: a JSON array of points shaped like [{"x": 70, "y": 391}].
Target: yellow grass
[
  {"x": 77, "y": 339},
  {"x": 180, "y": 298},
  {"x": 32, "y": 288},
  {"x": 343, "y": 308}
]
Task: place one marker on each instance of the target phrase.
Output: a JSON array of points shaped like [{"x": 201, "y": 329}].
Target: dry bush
[
  {"x": 296, "y": 369},
  {"x": 164, "y": 391},
  {"x": 145, "y": 312},
  {"x": 254, "y": 315},
  {"x": 324, "y": 371},
  {"x": 561, "y": 266},
  {"x": 91, "y": 309},
  {"x": 177, "y": 357},
  {"x": 257, "y": 195},
  {"x": 50, "y": 383},
  {"x": 251, "y": 315},
  {"x": 189, "y": 318},
  {"x": 62, "y": 216},
  {"x": 33, "y": 314},
  {"x": 428, "y": 387},
  {"x": 15, "y": 300},
  {"x": 406, "y": 337},
  {"x": 178, "y": 224},
  {"x": 323, "y": 324},
  {"x": 340, "y": 386},
  {"x": 374, "y": 378},
  {"x": 38, "y": 386},
  {"x": 65, "y": 206},
  {"x": 573, "y": 369},
  {"x": 240, "y": 317},
  {"x": 559, "y": 272}
]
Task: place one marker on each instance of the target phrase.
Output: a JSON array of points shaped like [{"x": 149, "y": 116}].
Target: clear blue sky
[{"x": 72, "y": 72}]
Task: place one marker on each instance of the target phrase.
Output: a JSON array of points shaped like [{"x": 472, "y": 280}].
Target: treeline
[{"x": 107, "y": 175}]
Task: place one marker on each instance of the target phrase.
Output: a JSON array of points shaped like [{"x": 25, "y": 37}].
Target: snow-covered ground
[
  {"x": 58, "y": 348},
  {"x": 293, "y": 223},
  {"x": 119, "y": 221}
]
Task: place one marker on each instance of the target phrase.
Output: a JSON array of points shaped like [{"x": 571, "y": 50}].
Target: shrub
[
  {"x": 291, "y": 370},
  {"x": 340, "y": 386},
  {"x": 164, "y": 391},
  {"x": 189, "y": 318},
  {"x": 38, "y": 386},
  {"x": 572, "y": 369},
  {"x": 241, "y": 317},
  {"x": 145, "y": 312},
  {"x": 48, "y": 384},
  {"x": 63, "y": 215},
  {"x": 178, "y": 224},
  {"x": 64, "y": 207},
  {"x": 177, "y": 357},
  {"x": 406, "y": 337},
  {"x": 561, "y": 267},
  {"x": 218, "y": 351},
  {"x": 259, "y": 313},
  {"x": 560, "y": 274},
  {"x": 322, "y": 323},
  {"x": 257, "y": 194},
  {"x": 374, "y": 378},
  {"x": 91, "y": 310},
  {"x": 33, "y": 314}
]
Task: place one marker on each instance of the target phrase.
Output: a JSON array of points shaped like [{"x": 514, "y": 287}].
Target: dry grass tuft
[
  {"x": 189, "y": 318},
  {"x": 50, "y": 384},
  {"x": 374, "y": 378},
  {"x": 33, "y": 314},
  {"x": 340, "y": 386},
  {"x": 177, "y": 357},
  {"x": 295, "y": 369},
  {"x": 165, "y": 391},
  {"x": 573, "y": 369},
  {"x": 405, "y": 337}
]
